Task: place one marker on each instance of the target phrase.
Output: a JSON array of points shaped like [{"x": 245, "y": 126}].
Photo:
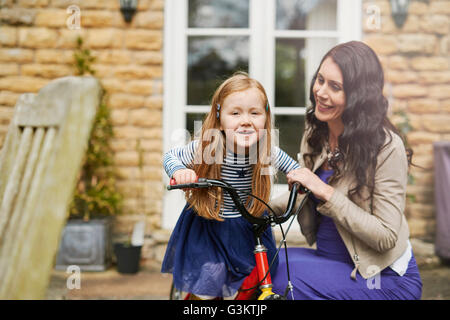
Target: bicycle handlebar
[{"x": 264, "y": 220}]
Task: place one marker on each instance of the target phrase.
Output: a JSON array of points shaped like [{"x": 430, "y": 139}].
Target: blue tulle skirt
[{"x": 209, "y": 257}]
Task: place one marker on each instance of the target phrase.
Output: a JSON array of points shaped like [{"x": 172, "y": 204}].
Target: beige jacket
[{"x": 374, "y": 239}]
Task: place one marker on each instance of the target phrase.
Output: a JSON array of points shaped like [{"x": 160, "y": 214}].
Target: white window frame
[{"x": 262, "y": 35}]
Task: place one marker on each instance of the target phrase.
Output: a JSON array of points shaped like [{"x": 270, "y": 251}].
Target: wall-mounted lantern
[
  {"x": 399, "y": 10},
  {"x": 128, "y": 9}
]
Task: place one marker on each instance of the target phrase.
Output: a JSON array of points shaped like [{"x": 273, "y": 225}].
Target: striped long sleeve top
[{"x": 235, "y": 170}]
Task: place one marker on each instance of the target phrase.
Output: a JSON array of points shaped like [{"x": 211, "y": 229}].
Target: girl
[{"x": 210, "y": 252}]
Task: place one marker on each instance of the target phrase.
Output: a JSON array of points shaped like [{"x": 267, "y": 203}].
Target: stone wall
[
  {"x": 37, "y": 45},
  {"x": 416, "y": 62}
]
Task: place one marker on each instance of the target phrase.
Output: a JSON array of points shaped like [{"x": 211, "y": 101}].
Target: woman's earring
[
  {"x": 218, "y": 109},
  {"x": 267, "y": 106}
]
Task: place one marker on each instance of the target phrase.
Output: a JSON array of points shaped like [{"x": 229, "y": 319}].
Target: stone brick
[
  {"x": 37, "y": 38},
  {"x": 418, "y": 227},
  {"x": 145, "y": 117},
  {"x": 123, "y": 144},
  {"x": 155, "y": 102},
  {"x": 439, "y": 123},
  {"x": 104, "y": 38},
  {"x": 9, "y": 69},
  {"x": 147, "y": 57},
  {"x": 127, "y": 172},
  {"x": 411, "y": 24},
  {"x": 418, "y": 137},
  {"x": 426, "y": 162},
  {"x": 445, "y": 46},
  {"x": 8, "y": 98},
  {"x": 119, "y": 117},
  {"x": 16, "y": 55},
  {"x": 140, "y": 87},
  {"x": 98, "y": 4},
  {"x": 151, "y": 133},
  {"x": 125, "y": 101},
  {"x": 400, "y": 76},
  {"x": 33, "y": 3},
  {"x": 8, "y": 36},
  {"x": 52, "y": 18},
  {"x": 421, "y": 210},
  {"x": 423, "y": 149},
  {"x": 429, "y": 63},
  {"x": 398, "y": 63},
  {"x": 445, "y": 105},
  {"x": 54, "y": 56},
  {"x": 382, "y": 44},
  {"x": 129, "y": 132},
  {"x": 152, "y": 173},
  {"x": 424, "y": 106},
  {"x": 126, "y": 158},
  {"x": 17, "y": 16},
  {"x": 423, "y": 178},
  {"x": 137, "y": 72},
  {"x": 50, "y": 71},
  {"x": 434, "y": 77},
  {"x": 151, "y": 145},
  {"x": 417, "y": 43},
  {"x": 22, "y": 84},
  {"x": 6, "y": 113},
  {"x": 438, "y": 24},
  {"x": 149, "y": 20},
  {"x": 143, "y": 39},
  {"x": 409, "y": 91},
  {"x": 113, "y": 57},
  {"x": 440, "y": 7},
  {"x": 440, "y": 91},
  {"x": 68, "y": 38},
  {"x": 98, "y": 18},
  {"x": 416, "y": 7},
  {"x": 153, "y": 158}
]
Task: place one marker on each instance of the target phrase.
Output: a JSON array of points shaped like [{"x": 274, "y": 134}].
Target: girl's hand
[
  {"x": 311, "y": 181},
  {"x": 183, "y": 176}
]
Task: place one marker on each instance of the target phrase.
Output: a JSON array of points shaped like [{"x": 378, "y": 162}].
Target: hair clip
[{"x": 218, "y": 109}]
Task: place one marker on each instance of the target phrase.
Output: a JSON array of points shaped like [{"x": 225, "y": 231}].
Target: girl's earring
[
  {"x": 218, "y": 109},
  {"x": 267, "y": 106}
]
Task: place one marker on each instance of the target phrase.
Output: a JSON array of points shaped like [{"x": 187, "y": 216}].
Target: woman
[{"x": 355, "y": 165}]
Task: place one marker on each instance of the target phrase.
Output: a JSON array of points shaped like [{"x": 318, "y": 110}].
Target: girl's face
[
  {"x": 329, "y": 92},
  {"x": 242, "y": 116}
]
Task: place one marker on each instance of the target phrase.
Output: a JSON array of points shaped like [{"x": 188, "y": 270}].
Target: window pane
[
  {"x": 306, "y": 14},
  {"x": 191, "y": 125},
  {"x": 290, "y": 130},
  {"x": 296, "y": 62},
  {"x": 218, "y": 14},
  {"x": 210, "y": 61}
]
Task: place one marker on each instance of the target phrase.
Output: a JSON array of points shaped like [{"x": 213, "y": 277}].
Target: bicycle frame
[{"x": 260, "y": 224}]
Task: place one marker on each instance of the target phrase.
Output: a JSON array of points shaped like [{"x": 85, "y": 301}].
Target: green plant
[{"x": 95, "y": 193}]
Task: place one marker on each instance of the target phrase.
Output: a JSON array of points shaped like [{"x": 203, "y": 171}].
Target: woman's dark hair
[{"x": 365, "y": 115}]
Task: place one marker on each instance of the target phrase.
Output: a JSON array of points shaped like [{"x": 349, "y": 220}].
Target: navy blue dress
[
  {"x": 210, "y": 257},
  {"x": 324, "y": 273}
]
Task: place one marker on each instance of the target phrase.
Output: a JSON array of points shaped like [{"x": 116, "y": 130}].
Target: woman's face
[{"x": 329, "y": 93}]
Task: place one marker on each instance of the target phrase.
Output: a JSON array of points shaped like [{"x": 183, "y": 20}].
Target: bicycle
[{"x": 260, "y": 224}]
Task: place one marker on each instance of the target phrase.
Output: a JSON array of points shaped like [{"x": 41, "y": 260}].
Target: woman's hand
[
  {"x": 183, "y": 176},
  {"x": 311, "y": 181}
]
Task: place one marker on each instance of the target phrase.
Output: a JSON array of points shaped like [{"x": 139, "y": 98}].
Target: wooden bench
[{"x": 39, "y": 164}]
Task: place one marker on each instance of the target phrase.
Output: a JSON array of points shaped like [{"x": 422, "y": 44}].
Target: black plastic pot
[{"x": 128, "y": 258}]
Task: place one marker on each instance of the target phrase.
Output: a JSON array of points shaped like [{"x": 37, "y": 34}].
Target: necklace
[{"x": 333, "y": 156}]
